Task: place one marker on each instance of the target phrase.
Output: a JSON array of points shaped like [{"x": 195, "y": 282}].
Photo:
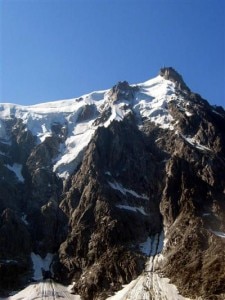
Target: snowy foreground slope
[
  {"x": 148, "y": 286},
  {"x": 145, "y": 287},
  {"x": 44, "y": 290},
  {"x": 136, "y": 290},
  {"x": 118, "y": 194}
]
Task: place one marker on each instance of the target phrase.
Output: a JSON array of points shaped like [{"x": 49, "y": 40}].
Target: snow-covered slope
[
  {"x": 150, "y": 284},
  {"x": 44, "y": 290},
  {"x": 149, "y": 102}
]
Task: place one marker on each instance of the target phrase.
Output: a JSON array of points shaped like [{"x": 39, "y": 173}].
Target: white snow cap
[{"x": 149, "y": 102}]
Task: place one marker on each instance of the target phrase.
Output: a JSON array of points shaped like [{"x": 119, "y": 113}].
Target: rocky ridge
[{"x": 93, "y": 180}]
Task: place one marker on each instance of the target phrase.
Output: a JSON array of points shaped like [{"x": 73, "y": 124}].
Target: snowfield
[
  {"x": 44, "y": 290},
  {"x": 148, "y": 287}
]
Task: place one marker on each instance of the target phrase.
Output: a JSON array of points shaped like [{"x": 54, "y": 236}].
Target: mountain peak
[
  {"x": 122, "y": 90},
  {"x": 171, "y": 74}
]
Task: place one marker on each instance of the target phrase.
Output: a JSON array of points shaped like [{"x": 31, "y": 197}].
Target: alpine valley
[{"x": 118, "y": 190}]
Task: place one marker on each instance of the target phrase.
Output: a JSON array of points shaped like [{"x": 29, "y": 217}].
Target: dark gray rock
[
  {"x": 87, "y": 113},
  {"x": 15, "y": 248}
]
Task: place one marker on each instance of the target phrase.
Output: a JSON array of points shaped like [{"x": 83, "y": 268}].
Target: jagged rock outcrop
[
  {"x": 170, "y": 73},
  {"x": 114, "y": 169},
  {"x": 122, "y": 91}
]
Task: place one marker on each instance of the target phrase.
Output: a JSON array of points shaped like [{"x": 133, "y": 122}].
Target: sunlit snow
[
  {"x": 133, "y": 208},
  {"x": 188, "y": 114},
  {"x": 150, "y": 285},
  {"x": 44, "y": 290},
  {"x": 219, "y": 233},
  {"x": 117, "y": 186},
  {"x": 150, "y": 101},
  {"x": 69, "y": 158},
  {"x": 193, "y": 141},
  {"x": 118, "y": 113}
]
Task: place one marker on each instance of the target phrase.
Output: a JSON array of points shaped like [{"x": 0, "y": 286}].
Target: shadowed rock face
[
  {"x": 134, "y": 180},
  {"x": 15, "y": 248},
  {"x": 104, "y": 236}
]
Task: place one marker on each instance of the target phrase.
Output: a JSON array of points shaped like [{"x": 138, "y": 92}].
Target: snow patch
[
  {"x": 118, "y": 112},
  {"x": 16, "y": 168},
  {"x": 71, "y": 152},
  {"x": 219, "y": 233},
  {"x": 2, "y": 153},
  {"x": 133, "y": 208},
  {"x": 108, "y": 173},
  {"x": 152, "y": 99},
  {"x": 24, "y": 219},
  {"x": 192, "y": 141},
  {"x": 40, "y": 264},
  {"x": 153, "y": 244},
  {"x": 117, "y": 186},
  {"x": 206, "y": 214},
  {"x": 188, "y": 114},
  {"x": 216, "y": 112}
]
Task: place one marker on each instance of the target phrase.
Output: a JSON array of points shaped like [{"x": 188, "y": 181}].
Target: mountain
[{"x": 119, "y": 186}]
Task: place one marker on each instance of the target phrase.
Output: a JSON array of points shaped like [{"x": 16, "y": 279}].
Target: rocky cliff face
[{"x": 93, "y": 180}]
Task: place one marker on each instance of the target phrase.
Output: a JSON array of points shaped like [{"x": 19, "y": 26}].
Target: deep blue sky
[{"x": 58, "y": 49}]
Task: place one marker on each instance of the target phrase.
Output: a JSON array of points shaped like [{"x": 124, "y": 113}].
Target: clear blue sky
[{"x": 58, "y": 49}]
